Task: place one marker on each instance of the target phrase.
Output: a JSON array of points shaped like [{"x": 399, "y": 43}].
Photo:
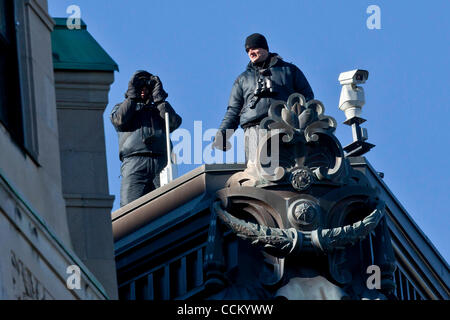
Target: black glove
[
  {"x": 221, "y": 141},
  {"x": 158, "y": 93}
]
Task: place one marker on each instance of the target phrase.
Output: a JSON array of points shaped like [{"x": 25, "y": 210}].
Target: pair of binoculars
[
  {"x": 145, "y": 82},
  {"x": 264, "y": 85}
]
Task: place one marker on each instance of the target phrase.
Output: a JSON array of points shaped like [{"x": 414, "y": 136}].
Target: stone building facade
[
  {"x": 161, "y": 242},
  {"x": 302, "y": 221},
  {"x": 51, "y": 224}
]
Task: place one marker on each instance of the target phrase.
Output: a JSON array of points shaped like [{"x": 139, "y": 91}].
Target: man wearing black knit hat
[{"x": 266, "y": 79}]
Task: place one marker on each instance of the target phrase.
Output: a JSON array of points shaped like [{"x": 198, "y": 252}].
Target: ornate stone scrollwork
[
  {"x": 305, "y": 202},
  {"x": 296, "y": 134}
]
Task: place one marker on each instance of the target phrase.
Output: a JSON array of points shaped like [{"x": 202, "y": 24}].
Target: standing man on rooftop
[
  {"x": 266, "y": 79},
  {"x": 139, "y": 121}
]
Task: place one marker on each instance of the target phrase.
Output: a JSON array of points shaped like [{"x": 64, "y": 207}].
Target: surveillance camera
[
  {"x": 352, "y": 96},
  {"x": 351, "y": 102},
  {"x": 356, "y": 76}
]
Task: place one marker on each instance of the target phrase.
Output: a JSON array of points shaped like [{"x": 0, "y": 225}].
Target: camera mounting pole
[{"x": 359, "y": 146}]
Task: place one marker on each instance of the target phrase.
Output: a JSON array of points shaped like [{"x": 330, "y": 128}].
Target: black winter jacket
[
  {"x": 286, "y": 79},
  {"x": 141, "y": 127}
]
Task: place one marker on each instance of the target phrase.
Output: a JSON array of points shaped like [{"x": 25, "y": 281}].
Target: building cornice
[
  {"x": 41, "y": 13},
  {"x": 89, "y": 201}
]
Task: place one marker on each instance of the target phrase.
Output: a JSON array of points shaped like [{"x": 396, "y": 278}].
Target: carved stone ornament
[
  {"x": 295, "y": 136},
  {"x": 304, "y": 215},
  {"x": 298, "y": 203},
  {"x": 283, "y": 242},
  {"x": 301, "y": 179}
]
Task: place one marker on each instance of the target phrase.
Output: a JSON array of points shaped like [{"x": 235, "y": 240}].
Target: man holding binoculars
[
  {"x": 140, "y": 123},
  {"x": 267, "y": 78}
]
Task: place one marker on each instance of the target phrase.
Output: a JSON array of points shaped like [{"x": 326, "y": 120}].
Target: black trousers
[{"x": 140, "y": 175}]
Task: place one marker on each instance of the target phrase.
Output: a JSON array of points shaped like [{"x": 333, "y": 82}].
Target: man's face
[
  {"x": 144, "y": 93},
  {"x": 257, "y": 54}
]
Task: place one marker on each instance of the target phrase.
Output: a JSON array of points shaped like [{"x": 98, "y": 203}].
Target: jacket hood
[
  {"x": 137, "y": 74},
  {"x": 142, "y": 73}
]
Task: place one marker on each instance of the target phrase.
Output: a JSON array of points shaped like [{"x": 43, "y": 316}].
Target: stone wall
[
  {"x": 36, "y": 245},
  {"x": 81, "y": 98}
]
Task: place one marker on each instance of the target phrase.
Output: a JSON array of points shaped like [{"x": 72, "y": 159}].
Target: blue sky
[{"x": 196, "y": 47}]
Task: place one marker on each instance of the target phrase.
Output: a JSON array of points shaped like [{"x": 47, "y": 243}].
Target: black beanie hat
[{"x": 256, "y": 40}]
